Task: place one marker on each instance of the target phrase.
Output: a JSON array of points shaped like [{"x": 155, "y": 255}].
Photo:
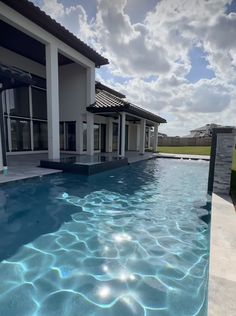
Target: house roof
[
  {"x": 39, "y": 17},
  {"x": 205, "y": 127},
  {"x": 12, "y": 77},
  {"x": 107, "y": 102},
  {"x": 100, "y": 86}
]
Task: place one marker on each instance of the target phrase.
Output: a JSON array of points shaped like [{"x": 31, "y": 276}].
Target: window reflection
[
  {"x": 40, "y": 135},
  {"x": 19, "y": 102},
  {"x": 39, "y": 103},
  {"x": 96, "y": 136},
  {"x": 20, "y": 135}
]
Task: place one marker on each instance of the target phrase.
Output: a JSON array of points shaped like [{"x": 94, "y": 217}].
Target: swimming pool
[{"x": 132, "y": 241}]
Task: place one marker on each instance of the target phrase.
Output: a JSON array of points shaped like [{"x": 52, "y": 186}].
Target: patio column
[
  {"x": 52, "y": 101},
  {"x": 1, "y": 158},
  {"x": 155, "y": 137},
  {"x": 122, "y": 134},
  {"x": 142, "y": 136},
  {"x": 90, "y": 133}
]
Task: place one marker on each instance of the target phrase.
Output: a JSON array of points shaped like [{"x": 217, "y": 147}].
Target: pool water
[{"x": 132, "y": 241}]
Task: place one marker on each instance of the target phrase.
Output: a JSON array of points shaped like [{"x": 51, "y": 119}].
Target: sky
[{"x": 176, "y": 58}]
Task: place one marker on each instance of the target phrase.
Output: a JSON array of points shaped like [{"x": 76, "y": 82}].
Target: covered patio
[{"x": 133, "y": 122}]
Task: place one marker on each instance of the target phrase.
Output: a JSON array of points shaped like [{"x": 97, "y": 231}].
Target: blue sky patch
[{"x": 199, "y": 66}]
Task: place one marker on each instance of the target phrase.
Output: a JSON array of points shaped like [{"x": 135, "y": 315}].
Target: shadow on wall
[{"x": 233, "y": 186}]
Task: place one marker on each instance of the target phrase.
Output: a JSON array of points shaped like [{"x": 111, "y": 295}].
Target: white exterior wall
[{"x": 72, "y": 91}]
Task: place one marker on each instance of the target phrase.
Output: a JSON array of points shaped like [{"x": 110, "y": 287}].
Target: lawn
[
  {"x": 195, "y": 150},
  {"x": 191, "y": 150}
]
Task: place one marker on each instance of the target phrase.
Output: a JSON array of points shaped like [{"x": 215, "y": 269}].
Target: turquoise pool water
[{"x": 133, "y": 241}]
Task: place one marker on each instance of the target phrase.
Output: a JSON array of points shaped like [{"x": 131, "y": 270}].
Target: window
[
  {"x": 4, "y": 102},
  {"x": 70, "y": 129},
  {"x": 115, "y": 137},
  {"x": 84, "y": 136},
  {"x": 19, "y": 102},
  {"x": 6, "y": 133},
  {"x": 62, "y": 146},
  {"x": 39, "y": 103},
  {"x": 96, "y": 136},
  {"x": 40, "y": 135},
  {"x": 20, "y": 135}
]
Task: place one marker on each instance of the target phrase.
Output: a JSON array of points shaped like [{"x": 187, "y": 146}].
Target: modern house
[
  {"x": 204, "y": 131},
  {"x": 63, "y": 109}
]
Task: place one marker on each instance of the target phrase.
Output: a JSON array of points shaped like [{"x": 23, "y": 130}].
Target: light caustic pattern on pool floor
[{"x": 119, "y": 255}]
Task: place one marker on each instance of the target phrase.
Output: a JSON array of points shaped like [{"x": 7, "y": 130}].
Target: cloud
[
  {"x": 152, "y": 55},
  {"x": 54, "y": 8}
]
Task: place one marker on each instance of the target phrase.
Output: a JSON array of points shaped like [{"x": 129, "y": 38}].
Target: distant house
[{"x": 204, "y": 131}]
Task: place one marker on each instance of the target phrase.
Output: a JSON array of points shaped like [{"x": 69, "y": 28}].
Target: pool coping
[
  {"x": 183, "y": 156},
  {"x": 17, "y": 178},
  {"x": 222, "y": 268}
]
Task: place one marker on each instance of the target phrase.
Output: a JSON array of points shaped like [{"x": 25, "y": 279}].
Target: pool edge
[{"x": 222, "y": 272}]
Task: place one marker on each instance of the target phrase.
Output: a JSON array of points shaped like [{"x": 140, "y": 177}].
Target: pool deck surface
[
  {"x": 25, "y": 166},
  {"x": 222, "y": 272},
  {"x": 22, "y": 167}
]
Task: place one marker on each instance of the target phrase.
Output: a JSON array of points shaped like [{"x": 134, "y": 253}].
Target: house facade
[{"x": 64, "y": 109}]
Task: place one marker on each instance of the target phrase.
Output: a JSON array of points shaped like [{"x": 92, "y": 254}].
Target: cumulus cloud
[{"x": 158, "y": 47}]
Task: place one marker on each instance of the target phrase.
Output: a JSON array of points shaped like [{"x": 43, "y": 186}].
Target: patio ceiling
[
  {"x": 22, "y": 44},
  {"x": 39, "y": 17}
]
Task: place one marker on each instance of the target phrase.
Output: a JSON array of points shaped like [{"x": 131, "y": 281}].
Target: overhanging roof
[
  {"x": 39, "y": 17},
  {"x": 11, "y": 77},
  {"x": 107, "y": 102},
  {"x": 100, "y": 86}
]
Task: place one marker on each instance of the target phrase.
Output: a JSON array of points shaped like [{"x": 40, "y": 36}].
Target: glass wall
[
  {"x": 84, "y": 136},
  {"x": 25, "y": 112},
  {"x": 70, "y": 129},
  {"x": 19, "y": 102},
  {"x": 39, "y": 103},
  {"x": 115, "y": 137},
  {"x": 40, "y": 133},
  {"x": 20, "y": 135},
  {"x": 96, "y": 136},
  {"x": 62, "y": 135},
  {"x": 68, "y": 136}
]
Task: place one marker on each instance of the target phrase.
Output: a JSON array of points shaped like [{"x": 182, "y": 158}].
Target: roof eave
[{"x": 39, "y": 17}]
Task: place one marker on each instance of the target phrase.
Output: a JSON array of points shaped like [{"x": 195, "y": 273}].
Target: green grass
[
  {"x": 191, "y": 150},
  {"x": 202, "y": 151}
]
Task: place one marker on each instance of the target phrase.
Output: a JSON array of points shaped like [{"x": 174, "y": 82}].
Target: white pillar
[
  {"x": 123, "y": 119},
  {"x": 90, "y": 76},
  {"x": 109, "y": 135},
  {"x": 155, "y": 137},
  {"x": 52, "y": 101},
  {"x": 90, "y": 133},
  {"x": 90, "y": 84},
  {"x": 142, "y": 136}
]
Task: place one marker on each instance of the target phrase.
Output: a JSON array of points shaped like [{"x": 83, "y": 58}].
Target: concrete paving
[
  {"x": 21, "y": 167},
  {"x": 222, "y": 272}
]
